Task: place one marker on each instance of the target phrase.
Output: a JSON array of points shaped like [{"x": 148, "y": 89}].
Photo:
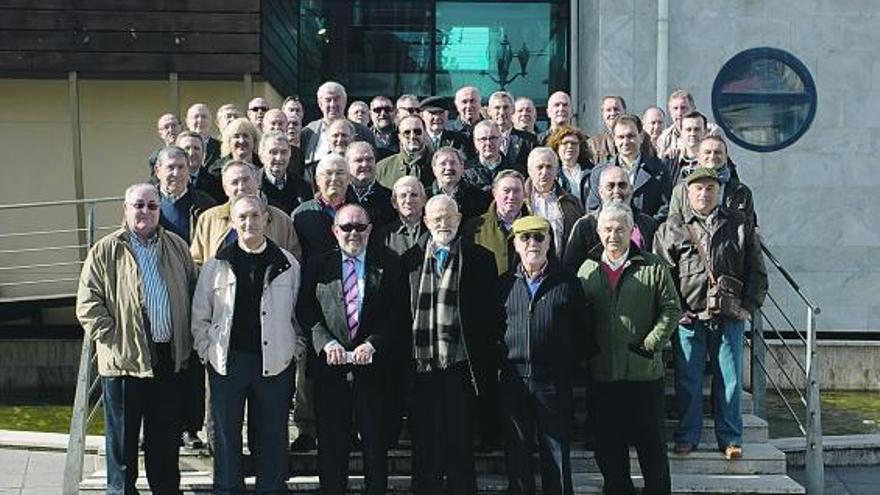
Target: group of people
[{"x": 391, "y": 263}]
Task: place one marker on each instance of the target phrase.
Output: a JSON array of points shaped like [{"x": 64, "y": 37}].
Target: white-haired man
[{"x": 314, "y": 140}]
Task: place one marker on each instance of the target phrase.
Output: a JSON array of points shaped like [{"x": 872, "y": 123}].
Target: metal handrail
[
  {"x": 62, "y": 202},
  {"x": 811, "y": 426}
]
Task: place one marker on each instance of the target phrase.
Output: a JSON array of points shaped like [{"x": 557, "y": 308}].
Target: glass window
[{"x": 764, "y": 99}]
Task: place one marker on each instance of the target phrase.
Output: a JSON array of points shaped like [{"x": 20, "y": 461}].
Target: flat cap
[
  {"x": 701, "y": 173},
  {"x": 434, "y": 103},
  {"x": 530, "y": 224}
]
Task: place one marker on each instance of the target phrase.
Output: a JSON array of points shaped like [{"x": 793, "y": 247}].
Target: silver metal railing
[{"x": 801, "y": 377}]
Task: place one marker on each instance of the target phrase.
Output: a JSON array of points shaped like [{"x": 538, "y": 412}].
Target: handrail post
[
  {"x": 90, "y": 224},
  {"x": 758, "y": 365},
  {"x": 76, "y": 440},
  {"x": 815, "y": 464}
]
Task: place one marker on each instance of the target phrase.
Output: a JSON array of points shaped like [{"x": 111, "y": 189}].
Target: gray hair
[
  {"x": 447, "y": 150},
  {"x": 132, "y": 188},
  {"x": 543, "y": 152},
  {"x": 615, "y": 211},
  {"x": 170, "y": 153},
  {"x": 501, "y": 94},
  {"x": 270, "y": 138},
  {"x": 408, "y": 180},
  {"x": 238, "y": 163},
  {"x": 349, "y": 206},
  {"x": 253, "y": 199},
  {"x": 344, "y": 122},
  {"x": 331, "y": 160},
  {"x": 332, "y": 87},
  {"x": 486, "y": 123},
  {"x": 508, "y": 174},
  {"x": 359, "y": 146},
  {"x": 441, "y": 200},
  {"x": 406, "y": 97},
  {"x": 468, "y": 88}
]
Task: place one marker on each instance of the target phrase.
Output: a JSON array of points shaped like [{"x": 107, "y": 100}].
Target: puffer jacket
[
  {"x": 643, "y": 309},
  {"x": 109, "y": 303},
  {"x": 734, "y": 249},
  {"x": 214, "y": 305}
]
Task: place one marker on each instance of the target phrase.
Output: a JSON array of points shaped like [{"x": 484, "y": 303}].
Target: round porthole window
[{"x": 764, "y": 99}]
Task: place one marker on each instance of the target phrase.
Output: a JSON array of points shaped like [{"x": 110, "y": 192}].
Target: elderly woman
[
  {"x": 243, "y": 326},
  {"x": 570, "y": 145},
  {"x": 635, "y": 310},
  {"x": 238, "y": 142},
  {"x": 546, "y": 198}
]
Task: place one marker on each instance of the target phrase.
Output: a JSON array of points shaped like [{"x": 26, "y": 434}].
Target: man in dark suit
[
  {"x": 363, "y": 188},
  {"x": 198, "y": 120},
  {"x": 448, "y": 166},
  {"x": 435, "y": 114},
  {"x": 467, "y": 104},
  {"x": 332, "y": 101},
  {"x": 515, "y": 145},
  {"x": 194, "y": 147},
  {"x": 351, "y": 337},
  {"x": 283, "y": 190},
  {"x": 383, "y": 127}
]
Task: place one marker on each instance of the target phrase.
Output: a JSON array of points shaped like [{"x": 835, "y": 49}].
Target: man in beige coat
[{"x": 133, "y": 301}]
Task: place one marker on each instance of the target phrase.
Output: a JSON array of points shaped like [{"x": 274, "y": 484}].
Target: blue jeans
[{"x": 724, "y": 346}]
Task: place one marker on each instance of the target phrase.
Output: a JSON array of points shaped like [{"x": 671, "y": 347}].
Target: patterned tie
[
  {"x": 637, "y": 236},
  {"x": 442, "y": 255},
  {"x": 350, "y": 296}
]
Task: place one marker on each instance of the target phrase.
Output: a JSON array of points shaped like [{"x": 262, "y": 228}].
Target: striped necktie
[{"x": 350, "y": 296}]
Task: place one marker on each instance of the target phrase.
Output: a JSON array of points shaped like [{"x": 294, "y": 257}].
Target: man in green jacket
[
  {"x": 133, "y": 301},
  {"x": 635, "y": 310}
]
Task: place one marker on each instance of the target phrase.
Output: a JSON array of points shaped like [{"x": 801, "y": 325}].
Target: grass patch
[
  {"x": 843, "y": 413},
  {"x": 50, "y": 418}
]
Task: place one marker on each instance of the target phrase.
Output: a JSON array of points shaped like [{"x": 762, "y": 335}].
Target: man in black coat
[
  {"x": 455, "y": 334},
  {"x": 283, "y": 190},
  {"x": 352, "y": 337},
  {"x": 363, "y": 188},
  {"x": 545, "y": 311},
  {"x": 515, "y": 145},
  {"x": 448, "y": 167}
]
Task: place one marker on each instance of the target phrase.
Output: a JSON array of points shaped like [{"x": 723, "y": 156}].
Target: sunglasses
[
  {"x": 410, "y": 110},
  {"x": 537, "y": 236},
  {"x": 382, "y": 110},
  {"x": 357, "y": 227},
  {"x": 141, "y": 206},
  {"x": 258, "y": 109}
]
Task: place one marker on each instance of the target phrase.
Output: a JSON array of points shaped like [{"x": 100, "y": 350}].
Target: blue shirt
[
  {"x": 360, "y": 264},
  {"x": 146, "y": 255}
]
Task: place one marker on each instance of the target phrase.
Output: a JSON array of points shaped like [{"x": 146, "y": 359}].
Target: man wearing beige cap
[{"x": 543, "y": 333}]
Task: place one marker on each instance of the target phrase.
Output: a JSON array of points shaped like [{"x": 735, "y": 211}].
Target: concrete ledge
[
  {"x": 843, "y": 364},
  {"x": 838, "y": 450},
  {"x": 33, "y": 440}
]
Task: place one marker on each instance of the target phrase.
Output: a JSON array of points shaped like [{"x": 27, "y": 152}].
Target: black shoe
[
  {"x": 190, "y": 440},
  {"x": 303, "y": 443}
]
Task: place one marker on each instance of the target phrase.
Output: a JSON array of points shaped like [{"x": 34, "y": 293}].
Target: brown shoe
[
  {"x": 733, "y": 452},
  {"x": 683, "y": 448}
]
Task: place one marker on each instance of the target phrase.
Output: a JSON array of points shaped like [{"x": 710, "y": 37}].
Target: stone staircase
[{"x": 762, "y": 469}]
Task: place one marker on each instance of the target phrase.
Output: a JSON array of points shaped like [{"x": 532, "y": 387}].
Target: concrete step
[{"x": 588, "y": 483}]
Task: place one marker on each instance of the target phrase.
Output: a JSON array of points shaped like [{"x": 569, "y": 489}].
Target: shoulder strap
[{"x": 703, "y": 255}]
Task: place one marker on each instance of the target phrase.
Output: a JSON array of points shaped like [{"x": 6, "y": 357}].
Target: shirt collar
[
  {"x": 172, "y": 197},
  {"x": 614, "y": 265},
  {"x": 361, "y": 258},
  {"x": 260, "y": 248}
]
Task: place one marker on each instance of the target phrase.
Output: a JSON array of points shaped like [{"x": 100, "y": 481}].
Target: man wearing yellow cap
[{"x": 545, "y": 333}]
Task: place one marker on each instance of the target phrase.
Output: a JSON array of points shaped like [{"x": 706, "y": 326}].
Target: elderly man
[
  {"x": 198, "y": 120},
  {"x": 314, "y": 218},
  {"x": 414, "y": 157},
  {"x": 559, "y": 113},
  {"x": 654, "y": 121},
  {"x": 467, "y": 104},
  {"x": 525, "y": 115},
  {"x": 243, "y": 326},
  {"x": 679, "y": 104},
  {"x": 514, "y": 144},
  {"x": 492, "y": 229},
  {"x": 359, "y": 112},
  {"x": 363, "y": 188},
  {"x": 614, "y": 187},
  {"x": 546, "y": 198},
  {"x": 601, "y": 146},
  {"x": 382, "y": 117},
  {"x": 717, "y": 264},
  {"x": 274, "y": 121},
  {"x": 353, "y": 339},
  {"x": 447, "y": 164},
  {"x": 712, "y": 154},
  {"x": 685, "y": 159},
  {"x": 256, "y": 111},
  {"x": 435, "y": 114},
  {"x": 199, "y": 177},
  {"x": 283, "y": 190},
  {"x": 407, "y": 104},
  {"x": 214, "y": 228},
  {"x": 634, "y": 309},
  {"x": 482, "y": 169},
  {"x": 133, "y": 301},
  {"x": 455, "y": 330},
  {"x": 292, "y": 106},
  {"x": 648, "y": 175},
  {"x": 544, "y": 335},
  {"x": 168, "y": 127},
  {"x": 226, "y": 114},
  {"x": 313, "y": 138},
  {"x": 180, "y": 204}
]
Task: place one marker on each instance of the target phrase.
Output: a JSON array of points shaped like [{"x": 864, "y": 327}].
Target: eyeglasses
[
  {"x": 381, "y": 110},
  {"x": 141, "y": 205},
  {"x": 357, "y": 227},
  {"x": 258, "y": 109},
  {"x": 570, "y": 143},
  {"x": 537, "y": 236},
  {"x": 411, "y": 132},
  {"x": 487, "y": 139},
  {"x": 410, "y": 110},
  {"x": 617, "y": 185}
]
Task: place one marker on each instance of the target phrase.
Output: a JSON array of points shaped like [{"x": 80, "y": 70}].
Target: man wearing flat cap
[
  {"x": 435, "y": 113},
  {"x": 545, "y": 315},
  {"x": 718, "y": 268}
]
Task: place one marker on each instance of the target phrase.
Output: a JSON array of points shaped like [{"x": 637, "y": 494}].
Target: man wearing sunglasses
[
  {"x": 133, "y": 301},
  {"x": 544, "y": 335},
  {"x": 351, "y": 303},
  {"x": 414, "y": 157},
  {"x": 256, "y": 110},
  {"x": 383, "y": 127}
]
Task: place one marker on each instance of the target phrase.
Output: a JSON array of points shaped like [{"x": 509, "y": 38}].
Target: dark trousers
[
  {"x": 441, "y": 431},
  {"x": 631, "y": 413},
  {"x": 343, "y": 392},
  {"x": 193, "y": 395},
  {"x": 127, "y": 402},
  {"x": 543, "y": 408},
  {"x": 268, "y": 398}
]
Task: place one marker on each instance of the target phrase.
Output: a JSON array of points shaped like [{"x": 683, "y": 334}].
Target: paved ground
[{"x": 846, "y": 480}]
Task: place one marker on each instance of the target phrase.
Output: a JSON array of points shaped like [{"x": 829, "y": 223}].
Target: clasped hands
[{"x": 336, "y": 354}]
